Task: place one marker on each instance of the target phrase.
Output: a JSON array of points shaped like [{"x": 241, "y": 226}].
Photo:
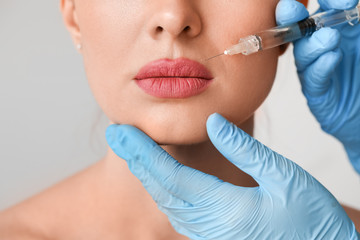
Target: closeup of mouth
[{"x": 178, "y": 78}]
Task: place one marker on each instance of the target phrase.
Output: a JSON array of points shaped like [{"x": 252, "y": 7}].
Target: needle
[{"x": 214, "y": 57}]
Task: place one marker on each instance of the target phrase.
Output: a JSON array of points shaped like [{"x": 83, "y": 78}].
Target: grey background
[{"x": 51, "y": 127}]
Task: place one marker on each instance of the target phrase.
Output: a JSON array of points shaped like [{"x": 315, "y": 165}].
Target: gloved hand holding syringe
[{"x": 284, "y": 34}]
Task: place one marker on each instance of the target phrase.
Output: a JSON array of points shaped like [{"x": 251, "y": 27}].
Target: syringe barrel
[
  {"x": 284, "y": 34},
  {"x": 272, "y": 38}
]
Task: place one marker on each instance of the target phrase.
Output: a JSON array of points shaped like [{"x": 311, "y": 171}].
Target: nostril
[
  {"x": 159, "y": 29},
  {"x": 186, "y": 29}
]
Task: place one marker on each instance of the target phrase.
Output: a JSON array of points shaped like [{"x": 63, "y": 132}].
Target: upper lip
[{"x": 177, "y": 68}]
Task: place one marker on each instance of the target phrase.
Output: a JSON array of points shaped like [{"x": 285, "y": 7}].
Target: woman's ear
[
  {"x": 67, "y": 8},
  {"x": 285, "y": 46}
]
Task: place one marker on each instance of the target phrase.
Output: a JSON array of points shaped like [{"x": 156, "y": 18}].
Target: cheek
[
  {"x": 246, "y": 83},
  {"x": 108, "y": 28},
  {"x": 247, "y": 80}
]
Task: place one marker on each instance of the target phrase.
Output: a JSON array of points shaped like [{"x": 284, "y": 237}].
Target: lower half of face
[
  {"x": 235, "y": 93},
  {"x": 238, "y": 87}
]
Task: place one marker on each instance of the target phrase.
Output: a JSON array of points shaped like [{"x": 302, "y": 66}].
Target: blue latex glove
[
  {"x": 328, "y": 64},
  {"x": 288, "y": 204}
]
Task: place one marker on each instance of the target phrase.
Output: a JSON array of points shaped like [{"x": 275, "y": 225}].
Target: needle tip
[{"x": 213, "y": 57}]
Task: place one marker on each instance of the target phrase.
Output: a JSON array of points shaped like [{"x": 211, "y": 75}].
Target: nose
[{"x": 174, "y": 18}]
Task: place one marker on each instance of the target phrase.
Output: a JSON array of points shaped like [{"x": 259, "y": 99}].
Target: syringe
[{"x": 284, "y": 34}]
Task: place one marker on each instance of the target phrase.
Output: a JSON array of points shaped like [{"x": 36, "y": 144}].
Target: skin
[
  {"x": 187, "y": 29},
  {"x": 118, "y": 37}
]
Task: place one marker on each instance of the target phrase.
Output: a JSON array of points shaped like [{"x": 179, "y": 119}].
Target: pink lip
[{"x": 179, "y": 78}]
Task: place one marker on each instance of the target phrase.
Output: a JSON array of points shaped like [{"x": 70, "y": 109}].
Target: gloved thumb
[
  {"x": 267, "y": 167},
  {"x": 290, "y": 11}
]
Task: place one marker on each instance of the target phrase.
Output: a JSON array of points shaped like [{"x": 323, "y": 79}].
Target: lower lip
[{"x": 173, "y": 87}]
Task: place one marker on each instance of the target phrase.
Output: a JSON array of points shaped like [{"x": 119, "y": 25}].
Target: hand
[
  {"x": 288, "y": 204},
  {"x": 328, "y": 65}
]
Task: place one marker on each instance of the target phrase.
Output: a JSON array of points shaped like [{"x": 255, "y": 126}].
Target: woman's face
[{"x": 120, "y": 37}]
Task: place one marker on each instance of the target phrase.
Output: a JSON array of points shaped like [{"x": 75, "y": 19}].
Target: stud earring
[{"x": 79, "y": 46}]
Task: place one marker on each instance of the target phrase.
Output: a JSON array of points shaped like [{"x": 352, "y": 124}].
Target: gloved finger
[
  {"x": 316, "y": 79},
  {"x": 159, "y": 194},
  {"x": 307, "y": 50},
  {"x": 337, "y": 4},
  {"x": 266, "y": 166},
  {"x": 140, "y": 151},
  {"x": 290, "y": 11}
]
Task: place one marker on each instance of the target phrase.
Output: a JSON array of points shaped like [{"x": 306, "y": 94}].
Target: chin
[
  {"x": 176, "y": 134},
  {"x": 183, "y": 141}
]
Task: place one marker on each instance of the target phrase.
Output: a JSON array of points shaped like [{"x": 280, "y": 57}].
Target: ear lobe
[{"x": 68, "y": 11}]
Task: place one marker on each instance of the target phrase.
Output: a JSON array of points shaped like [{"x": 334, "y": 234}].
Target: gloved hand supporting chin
[{"x": 288, "y": 204}]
